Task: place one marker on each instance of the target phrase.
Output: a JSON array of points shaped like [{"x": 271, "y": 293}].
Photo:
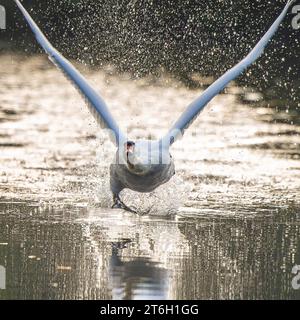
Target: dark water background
[{"x": 185, "y": 38}]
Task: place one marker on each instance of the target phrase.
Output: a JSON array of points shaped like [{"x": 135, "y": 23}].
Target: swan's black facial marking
[
  {"x": 146, "y": 157},
  {"x": 129, "y": 148}
]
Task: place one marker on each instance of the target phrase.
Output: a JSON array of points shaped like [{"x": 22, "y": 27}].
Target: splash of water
[{"x": 165, "y": 200}]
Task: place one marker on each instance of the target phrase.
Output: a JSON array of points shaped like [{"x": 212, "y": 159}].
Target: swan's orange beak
[{"x": 129, "y": 146}]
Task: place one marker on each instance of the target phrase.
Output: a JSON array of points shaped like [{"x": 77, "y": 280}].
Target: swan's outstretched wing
[
  {"x": 193, "y": 110},
  {"x": 95, "y": 103}
]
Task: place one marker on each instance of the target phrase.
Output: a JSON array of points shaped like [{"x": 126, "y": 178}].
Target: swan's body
[
  {"x": 140, "y": 166},
  {"x": 143, "y": 169},
  {"x": 144, "y": 165}
]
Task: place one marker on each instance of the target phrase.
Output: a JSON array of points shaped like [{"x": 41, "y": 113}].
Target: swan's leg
[
  {"x": 116, "y": 187},
  {"x": 119, "y": 204}
]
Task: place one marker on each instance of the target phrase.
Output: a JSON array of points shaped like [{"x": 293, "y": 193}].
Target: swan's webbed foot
[{"x": 119, "y": 204}]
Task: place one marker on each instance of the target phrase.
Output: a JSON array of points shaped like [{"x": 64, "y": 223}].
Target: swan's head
[{"x": 144, "y": 156}]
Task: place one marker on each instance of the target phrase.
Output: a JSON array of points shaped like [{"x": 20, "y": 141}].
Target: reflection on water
[
  {"x": 47, "y": 256},
  {"x": 236, "y": 194},
  {"x": 139, "y": 278}
]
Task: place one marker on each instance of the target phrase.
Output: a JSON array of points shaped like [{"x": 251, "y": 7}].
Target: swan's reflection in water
[
  {"x": 141, "y": 253},
  {"x": 77, "y": 253},
  {"x": 139, "y": 278},
  {"x": 87, "y": 254}
]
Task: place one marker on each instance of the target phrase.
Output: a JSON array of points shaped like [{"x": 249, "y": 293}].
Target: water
[{"x": 235, "y": 234}]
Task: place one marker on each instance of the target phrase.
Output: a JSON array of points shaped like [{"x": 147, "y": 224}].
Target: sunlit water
[{"x": 225, "y": 227}]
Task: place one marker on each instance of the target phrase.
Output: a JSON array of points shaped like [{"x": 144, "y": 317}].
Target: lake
[{"x": 227, "y": 226}]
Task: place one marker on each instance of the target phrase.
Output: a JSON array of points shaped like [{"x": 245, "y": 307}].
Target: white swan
[{"x": 144, "y": 165}]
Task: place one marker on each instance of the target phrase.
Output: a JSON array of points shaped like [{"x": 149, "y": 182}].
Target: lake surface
[{"x": 227, "y": 226}]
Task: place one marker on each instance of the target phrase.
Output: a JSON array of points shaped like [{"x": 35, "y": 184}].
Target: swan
[{"x": 144, "y": 165}]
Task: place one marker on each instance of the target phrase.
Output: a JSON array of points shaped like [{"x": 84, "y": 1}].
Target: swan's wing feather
[
  {"x": 193, "y": 110},
  {"x": 95, "y": 103}
]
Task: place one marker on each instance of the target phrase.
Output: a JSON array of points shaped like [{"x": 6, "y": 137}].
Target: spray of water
[{"x": 165, "y": 200}]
